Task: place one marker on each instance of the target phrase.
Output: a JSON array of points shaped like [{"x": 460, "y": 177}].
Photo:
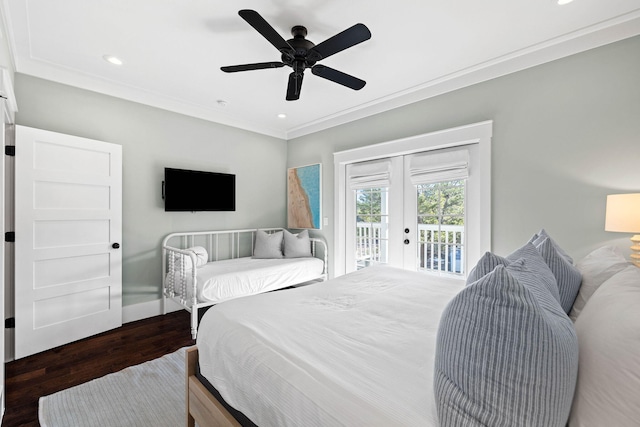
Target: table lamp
[{"x": 623, "y": 215}]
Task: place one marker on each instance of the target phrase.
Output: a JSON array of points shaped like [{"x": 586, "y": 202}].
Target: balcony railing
[{"x": 440, "y": 248}]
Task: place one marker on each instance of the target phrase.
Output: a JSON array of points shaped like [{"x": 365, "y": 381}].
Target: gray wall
[
  {"x": 152, "y": 139},
  {"x": 565, "y": 135}
]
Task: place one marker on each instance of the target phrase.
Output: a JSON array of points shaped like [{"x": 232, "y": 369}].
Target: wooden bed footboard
[{"x": 201, "y": 406}]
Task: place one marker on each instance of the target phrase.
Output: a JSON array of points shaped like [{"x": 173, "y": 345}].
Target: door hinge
[
  {"x": 10, "y": 150},
  {"x": 10, "y": 323},
  {"x": 10, "y": 236}
]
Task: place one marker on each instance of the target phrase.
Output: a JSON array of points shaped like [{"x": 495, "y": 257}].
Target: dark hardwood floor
[{"x": 45, "y": 373}]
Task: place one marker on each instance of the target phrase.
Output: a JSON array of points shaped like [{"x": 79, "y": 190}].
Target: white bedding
[
  {"x": 224, "y": 280},
  {"x": 354, "y": 351}
]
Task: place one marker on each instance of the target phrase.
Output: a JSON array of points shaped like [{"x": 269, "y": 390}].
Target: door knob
[
  {"x": 116, "y": 246},
  {"x": 406, "y": 241},
  {"x": 406, "y": 230}
]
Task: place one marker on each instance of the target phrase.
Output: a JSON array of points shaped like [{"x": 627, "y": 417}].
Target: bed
[
  {"x": 231, "y": 264},
  {"x": 383, "y": 346}
]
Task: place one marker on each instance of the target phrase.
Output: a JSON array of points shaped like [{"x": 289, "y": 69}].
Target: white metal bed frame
[{"x": 212, "y": 245}]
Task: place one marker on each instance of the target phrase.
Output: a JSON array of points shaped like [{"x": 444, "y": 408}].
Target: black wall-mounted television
[{"x": 190, "y": 191}]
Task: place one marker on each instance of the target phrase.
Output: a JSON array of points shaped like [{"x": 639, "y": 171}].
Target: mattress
[
  {"x": 355, "y": 350},
  {"x": 228, "y": 279}
]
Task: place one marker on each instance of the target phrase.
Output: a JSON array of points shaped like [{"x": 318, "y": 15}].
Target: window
[
  {"x": 372, "y": 226},
  {"x": 441, "y": 230}
]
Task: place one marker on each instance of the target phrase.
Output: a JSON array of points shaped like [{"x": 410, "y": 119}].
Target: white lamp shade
[{"x": 623, "y": 213}]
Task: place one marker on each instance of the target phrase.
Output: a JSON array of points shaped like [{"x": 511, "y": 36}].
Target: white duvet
[
  {"x": 224, "y": 280},
  {"x": 353, "y": 351}
]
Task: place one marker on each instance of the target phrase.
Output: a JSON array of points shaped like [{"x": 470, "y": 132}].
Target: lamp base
[{"x": 635, "y": 250}]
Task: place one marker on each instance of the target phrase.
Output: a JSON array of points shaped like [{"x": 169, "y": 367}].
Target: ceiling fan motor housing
[{"x": 301, "y": 46}]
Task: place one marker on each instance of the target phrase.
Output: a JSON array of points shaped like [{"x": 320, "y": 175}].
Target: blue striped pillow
[
  {"x": 506, "y": 353},
  {"x": 489, "y": 261},
  {"x": 541, "y": 235},
  {"x": 568, "y": 277}
]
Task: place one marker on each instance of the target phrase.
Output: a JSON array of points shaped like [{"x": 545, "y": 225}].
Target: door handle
[{"x": 116, "y": 246}]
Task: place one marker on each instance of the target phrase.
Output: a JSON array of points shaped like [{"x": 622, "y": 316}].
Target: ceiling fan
[{"x": 300, "y": 53}]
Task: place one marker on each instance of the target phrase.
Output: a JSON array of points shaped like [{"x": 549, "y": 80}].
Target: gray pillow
[
  {"x": 506, "y": 353},
  {"x": 489, "y": 261},
  {"x": 297, "y": 245},
  {"x": 268, "y": 245},
  {"x": 568, "y": 277},
  {"x": 539, "y": 238}
]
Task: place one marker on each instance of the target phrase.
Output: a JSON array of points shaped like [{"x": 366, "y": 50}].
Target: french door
[
  {"x": 426, "y": 208},
  {"x": 409, "y": 211}
]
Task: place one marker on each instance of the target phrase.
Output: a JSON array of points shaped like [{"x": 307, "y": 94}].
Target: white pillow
[
  {"x": 297, "y": 245},
  {"x": 609, "y": 354},
  {"x": 268, "y": 245},
  {"x": 202, "y": 257},
  {"x": 597, "y": 267}
]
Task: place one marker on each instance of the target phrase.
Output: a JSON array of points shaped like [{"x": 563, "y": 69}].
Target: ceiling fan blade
[
  {"x": 294, "y": 86},
  {"x": 258, "y": 22},
  {"x": 338, "y": 77},
  {"x": 249, "y": 67},
  {"x": 341, "y": 41}
]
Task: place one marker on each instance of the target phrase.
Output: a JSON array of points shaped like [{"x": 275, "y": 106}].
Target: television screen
[{"x": 190, "y": 191}]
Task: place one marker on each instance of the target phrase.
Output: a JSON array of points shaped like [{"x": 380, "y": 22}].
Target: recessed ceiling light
[
  {"x": 282, "y": 116},
  {"x": 112, "y": 59},
  {"x": 561, "y": 2}
]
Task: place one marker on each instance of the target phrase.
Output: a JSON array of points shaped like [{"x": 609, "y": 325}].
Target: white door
[
  {"x": 374, "y": 213},
  {"x": 68, "y": 263},
  {"x": 441, "y": 210}
]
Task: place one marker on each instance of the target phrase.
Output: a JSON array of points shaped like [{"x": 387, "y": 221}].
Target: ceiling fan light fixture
[{"x": 112, "y": 59}]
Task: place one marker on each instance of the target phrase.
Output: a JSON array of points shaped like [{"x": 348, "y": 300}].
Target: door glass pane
[
  {"x": 441, "y": 227},
  {"x": 372, "y": 226}
]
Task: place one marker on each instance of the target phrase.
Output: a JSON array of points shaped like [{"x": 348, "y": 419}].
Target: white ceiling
[{"x": 173, "y": 50}]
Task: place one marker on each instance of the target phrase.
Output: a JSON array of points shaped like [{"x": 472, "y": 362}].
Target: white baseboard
[{"x": 144, "y": 310}]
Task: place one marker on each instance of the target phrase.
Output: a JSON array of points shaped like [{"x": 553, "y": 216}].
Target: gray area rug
[{"x": 150, "y": 394}]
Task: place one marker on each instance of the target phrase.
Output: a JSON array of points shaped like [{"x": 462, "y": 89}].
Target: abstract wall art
[{"x": 304, "y": 196}]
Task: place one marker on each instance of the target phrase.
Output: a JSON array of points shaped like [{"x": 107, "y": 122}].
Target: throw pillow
[
  {"x": 596, "y": 268},
  {"x": 609, "y": 337},
  {"x": 506, "y": 353},
  {"x": 489, "y": 261},
  {"x": 541, "y": 235},
  {"x": 567, "y": 276},
  {"x": 268, "y": 245},
  {"x": 202, "y": 257},
  {"x": 297, "y": 245}
]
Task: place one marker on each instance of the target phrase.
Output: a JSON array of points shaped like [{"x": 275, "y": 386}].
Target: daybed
[
  {"x": 236, "y": 263},
  {"x": 387, "y": 347}
]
